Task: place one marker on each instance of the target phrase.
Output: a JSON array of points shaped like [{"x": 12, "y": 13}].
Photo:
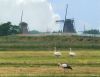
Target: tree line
[
  {"x": 92, "y": 31},
  {"x": 9, "y": 29}
]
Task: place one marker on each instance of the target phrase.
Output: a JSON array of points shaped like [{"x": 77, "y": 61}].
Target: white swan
[
  {"x": 72, "y": 53},
  {"x": 57, "y": 53}
]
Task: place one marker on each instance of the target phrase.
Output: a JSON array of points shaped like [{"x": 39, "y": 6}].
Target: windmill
[
  {"x": 68, "y": 24},
  {"x": 23, "y": 25}
]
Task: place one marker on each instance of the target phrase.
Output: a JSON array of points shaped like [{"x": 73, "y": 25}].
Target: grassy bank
[{"x": 48, "y": 42}]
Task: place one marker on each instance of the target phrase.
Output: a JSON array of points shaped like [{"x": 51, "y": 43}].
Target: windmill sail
[
  {"x": 66, "y": 11},
  {"x": 60, "y": 21},
  {"x": 22, "y": 16}
]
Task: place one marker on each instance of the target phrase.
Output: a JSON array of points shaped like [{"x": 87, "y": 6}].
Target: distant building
[
  {"x": 24, "y": 27},
  {"x": 69, "y": 26}
]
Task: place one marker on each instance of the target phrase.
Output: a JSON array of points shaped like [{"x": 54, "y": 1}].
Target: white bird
[
  {"x": 72, "y": 53},
  {"x": 57, "y": 53},
  {"x": 65, "y": 66}
]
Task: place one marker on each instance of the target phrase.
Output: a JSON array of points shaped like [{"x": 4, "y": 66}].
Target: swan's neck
[
  {"x": 55, "y": 49},
  {"x": 70, "y": 49}
]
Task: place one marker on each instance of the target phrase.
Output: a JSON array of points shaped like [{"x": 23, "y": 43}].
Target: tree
[
  {"x": 8, "y": 29},
  {"x": 15, "y": 29}
]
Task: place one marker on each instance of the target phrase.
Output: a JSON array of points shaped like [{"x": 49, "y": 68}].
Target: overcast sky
[{"x": 42, "y": 14}]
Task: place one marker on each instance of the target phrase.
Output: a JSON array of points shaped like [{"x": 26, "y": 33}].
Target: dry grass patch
[{"x": 48, "y": 70}]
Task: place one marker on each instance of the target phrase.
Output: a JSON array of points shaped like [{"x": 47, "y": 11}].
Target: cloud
[{"x": 39, "y": 14}]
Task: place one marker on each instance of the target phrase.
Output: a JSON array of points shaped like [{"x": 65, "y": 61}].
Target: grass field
[
  {"x": 22, "y": 56},
  {"x": 44, "y": 64}
]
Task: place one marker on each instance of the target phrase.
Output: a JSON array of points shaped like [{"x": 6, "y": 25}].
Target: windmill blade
[
  {"x": 66, "y": 11},
  {"x": 22, "y": 16},
  {"x": 60, "y": 21}
]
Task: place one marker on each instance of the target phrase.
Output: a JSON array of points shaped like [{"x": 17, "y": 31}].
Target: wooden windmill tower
[
  {"x": 23, "y": 25},
  {"x": 68, "y": 24}
]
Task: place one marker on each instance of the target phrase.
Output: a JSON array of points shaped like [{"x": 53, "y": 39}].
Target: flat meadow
[{"x": 86, "y": 63}]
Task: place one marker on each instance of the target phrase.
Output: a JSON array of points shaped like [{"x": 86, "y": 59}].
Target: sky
[{"x": 41, "y": 15}]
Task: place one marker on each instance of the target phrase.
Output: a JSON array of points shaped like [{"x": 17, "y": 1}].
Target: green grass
[
  {"x": 47, "y": 42},
  {"x": 44, "y": 64},
  {"x": 47, "y": 58}
]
